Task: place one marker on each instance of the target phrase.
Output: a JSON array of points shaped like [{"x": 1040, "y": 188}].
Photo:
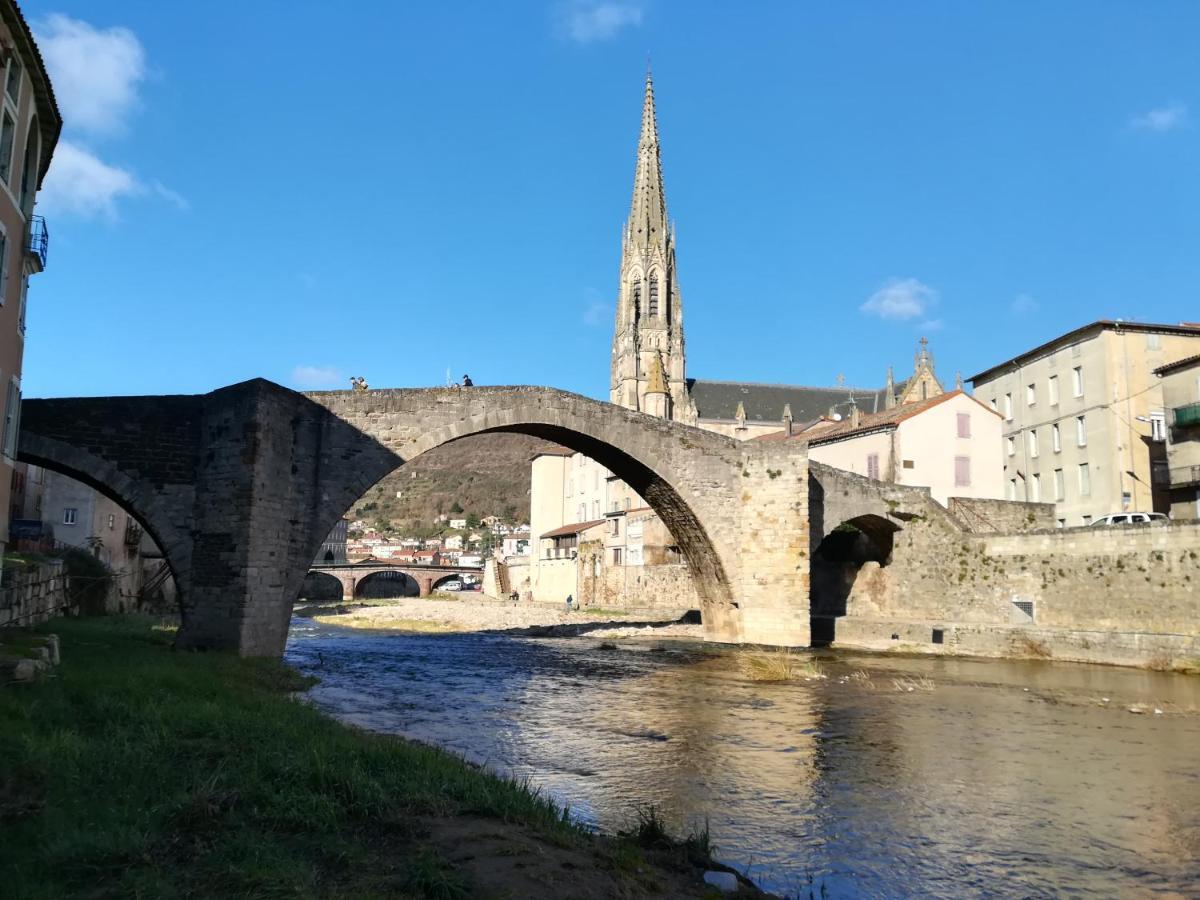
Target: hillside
[{"x": 486, "y": 475}]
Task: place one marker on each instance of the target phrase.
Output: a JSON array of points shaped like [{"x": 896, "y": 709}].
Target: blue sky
[{"x": 305, "y": 192}]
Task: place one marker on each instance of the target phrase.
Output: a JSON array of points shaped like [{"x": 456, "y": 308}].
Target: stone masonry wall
[
  {"x": 33, "y": 595},
  {"x": 1001, "y": 516},
  {"x": 1111, "y": 595}
]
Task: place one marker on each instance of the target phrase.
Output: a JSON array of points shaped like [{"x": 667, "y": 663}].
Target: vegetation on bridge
[{"x": 139, "y": 771}]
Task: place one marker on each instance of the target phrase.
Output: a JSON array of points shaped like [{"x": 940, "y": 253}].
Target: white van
[{"x": 1133, "y": 518}]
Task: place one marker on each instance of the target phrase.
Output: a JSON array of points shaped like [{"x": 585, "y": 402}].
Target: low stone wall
[
  {"x": 1122, "y": 595},
  {"x": 667, "y": 587},
  {"x": 33, "y": 594},
  {"x": 1001, "y": 516}
]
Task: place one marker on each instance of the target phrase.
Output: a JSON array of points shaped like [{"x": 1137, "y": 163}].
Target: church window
[
  {"x": 653, "y": 295},
  {"x": 637, "y": 300}
]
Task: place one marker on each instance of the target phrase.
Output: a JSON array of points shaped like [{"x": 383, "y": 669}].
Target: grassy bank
[{"x": 139, "y": 771}]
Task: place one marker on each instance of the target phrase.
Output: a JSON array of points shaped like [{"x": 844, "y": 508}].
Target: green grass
[{"x": 139, "y": 771}]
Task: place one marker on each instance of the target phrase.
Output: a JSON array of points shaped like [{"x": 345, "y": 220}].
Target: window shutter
[
  {"x": 962, "y": 471},
  {"x": 964, "y": 425}
]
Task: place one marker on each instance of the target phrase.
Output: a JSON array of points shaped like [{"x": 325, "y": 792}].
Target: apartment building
[
  {"x": 1181, "y": 397},
  {"x": 29, "y": 127},
  {"x": 1085, "y": 420}
]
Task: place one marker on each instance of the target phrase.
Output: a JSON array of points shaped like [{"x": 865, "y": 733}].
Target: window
[
  {"x": 614, "y": 527},
  {"x": 112, "y": 521},
  {"x": 1011, "y": 443},
  {"x": 1060, "y": 485},
  {"x": 1052, "y": 389},
  {"x": 992, "y": 403},
  {"x": 1085, "y": 480},
  {"x": 964, "y": 425},
  {"x": 8, "y": 132},
  {"x": 1033, "y": 442},
  {"x": 582, "y": 511},
  {"x": 69, "y": 515},
  {"x": 1008, "y": 407},
  {"x": 616, "y": 556},
  {"x": 3, "y": 265},
  {"x": 12, "y": 418},
  {"x": 1012, "y": 489},
  {"x": 1087, "y": 520},
  {"x": 12, "y": 84},
  {"x": 24, "y": 298},
  {"x": 873, "y": 466},
  {"x": 1062, "y": 523},
  {"x": 637, "y": 299},
  {"x": 1031, "y": 394},
  {"x": 654, "y": 295},
  {"x": 1077, "y": 381},
  {"x": 1081, "y": 431},
  {"x": 1035, "y": 488},
  {"x": 962, "y": 471},
  {"x": 1056, "y": 438},
  {"x": 595, "y": 509}
]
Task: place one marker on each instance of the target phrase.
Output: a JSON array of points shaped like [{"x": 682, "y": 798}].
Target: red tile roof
[
  {"x": 1185, "y": 363},
  {"x": 573, "y": 529},
  {"x": 886, "y": 420}
]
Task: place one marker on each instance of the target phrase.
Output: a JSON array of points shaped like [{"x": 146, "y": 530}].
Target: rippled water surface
[{"x": 1007, "y": 778}]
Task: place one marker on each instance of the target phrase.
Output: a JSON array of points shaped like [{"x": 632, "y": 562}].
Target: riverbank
[
  {"x": 139, "y": 771},
  {"x": 465, "y": 613}
]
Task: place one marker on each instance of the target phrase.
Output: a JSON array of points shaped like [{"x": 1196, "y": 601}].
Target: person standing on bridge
[{"x": 467, "y": 382}]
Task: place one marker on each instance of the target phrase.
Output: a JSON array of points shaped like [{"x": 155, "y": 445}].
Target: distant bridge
[{"x": 428, "y": 578}]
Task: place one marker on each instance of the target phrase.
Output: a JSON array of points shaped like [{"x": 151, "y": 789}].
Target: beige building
[
  {"x": 1181, "y": 399},
  {"x": 1085, "y": 420},
  {"x": 949, "y": 443},
  {"x": 29, "y": 127}
]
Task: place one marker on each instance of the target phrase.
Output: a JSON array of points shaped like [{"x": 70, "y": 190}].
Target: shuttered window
[
  {"x": 873, "y": 466},
  {"x": 962, "y": 471},
  {"x": 964, "y": 425}
]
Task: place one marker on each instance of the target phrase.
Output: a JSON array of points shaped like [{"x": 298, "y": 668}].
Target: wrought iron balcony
[
  {"x": 1184, "y": 476},
  {"x": 1187, "y": 416},
  {"x": 39, "y": 241}
]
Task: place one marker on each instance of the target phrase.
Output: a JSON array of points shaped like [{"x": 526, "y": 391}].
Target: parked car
[
  {"x": 1133, "y": 518},
  {"x": 450, "y": 586}
]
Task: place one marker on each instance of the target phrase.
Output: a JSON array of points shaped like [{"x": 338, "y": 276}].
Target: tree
[
  {"x": 472, "y": 521},
  {"x": 456, "y": 508}
]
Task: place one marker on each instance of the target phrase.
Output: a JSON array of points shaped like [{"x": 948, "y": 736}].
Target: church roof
[{"x": 765, "y": 402}]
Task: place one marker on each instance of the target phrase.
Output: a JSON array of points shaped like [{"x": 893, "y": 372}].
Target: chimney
[{"x": 787, "y": 418}]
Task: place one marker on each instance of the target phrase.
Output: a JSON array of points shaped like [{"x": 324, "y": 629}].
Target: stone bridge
[
  {"x": 427, "y": 578},
  {"x": 240, "y": 486}
]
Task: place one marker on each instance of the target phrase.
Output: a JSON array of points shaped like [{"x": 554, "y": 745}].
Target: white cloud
[
  {"x": 1022, "y": 304},
  {"x": 95, "y": 72},
  {"x": 173, "y": 197},
  {"x": 80, "y": 184},
  {"x": 313, "y": 378},
  {"x": 597, "y": 313},
  {"x": 901, "y": 298},
  {"x": 932, "y": 325},
  {"x": 586, "y": 21},
  {"x": 1164, "y": 118}
]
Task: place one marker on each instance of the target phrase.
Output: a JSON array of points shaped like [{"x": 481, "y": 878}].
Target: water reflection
[{"x": 1006, "y": 778}]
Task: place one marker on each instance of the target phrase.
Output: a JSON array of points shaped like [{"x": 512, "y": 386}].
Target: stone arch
[
  {"x": 406, "y": 585},
  {"x": 321, "y": 587},
  {"x": 141, "y": 499},
  {"x": 639, "y": 452},
  {"x": 438, "y": 582},
  {"x": 858, "y": 546}
]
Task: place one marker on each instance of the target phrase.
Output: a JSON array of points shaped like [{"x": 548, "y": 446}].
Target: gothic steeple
[{"x": 649, "y": 325}]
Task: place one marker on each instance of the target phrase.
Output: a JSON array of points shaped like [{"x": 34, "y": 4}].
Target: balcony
[
  {"x": 1184, "y": 476},
  {"x": 39, "y": 242},
  {"x": 133, "y": 534},
  {"x": 1187, "y": 416}
]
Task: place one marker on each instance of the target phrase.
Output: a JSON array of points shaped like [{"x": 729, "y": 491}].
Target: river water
[{"x": 986, "y": 778}]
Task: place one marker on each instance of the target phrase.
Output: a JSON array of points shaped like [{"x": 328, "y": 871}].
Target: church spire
[
  {"x": 648, "y": 339},
  {"x": 648, "y": 209}
]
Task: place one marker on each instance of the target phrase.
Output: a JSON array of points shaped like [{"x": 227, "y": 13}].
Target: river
[{"x": 889, "y": 777}]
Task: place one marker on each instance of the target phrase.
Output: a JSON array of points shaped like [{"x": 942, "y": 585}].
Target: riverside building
[{"x": 29, "y": 128}]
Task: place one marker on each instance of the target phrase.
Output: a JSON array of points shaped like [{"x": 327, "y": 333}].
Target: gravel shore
[{"x": 475, "y": 614}]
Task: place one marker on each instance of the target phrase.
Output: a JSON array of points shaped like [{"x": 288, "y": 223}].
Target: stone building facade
[
  {"x": 1181, "y": 399},
  {"x": 1085, "y": 419}
]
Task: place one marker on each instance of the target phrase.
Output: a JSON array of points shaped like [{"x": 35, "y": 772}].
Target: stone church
[{"x": 593, "y": 538}]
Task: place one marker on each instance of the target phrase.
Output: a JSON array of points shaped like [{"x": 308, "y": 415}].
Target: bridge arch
[
  {"x": 377, "y": 582},
  {"x": 321, "y": 587},
  {"x": 641, "y": 450},
  {"x": 141, "y": 499}
]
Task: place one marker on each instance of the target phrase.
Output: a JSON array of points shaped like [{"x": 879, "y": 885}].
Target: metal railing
[
  {"x": 1182, "y": 476},
  {"x": 1187, "y": 416},
  {"x": 39, "y": 239}
]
